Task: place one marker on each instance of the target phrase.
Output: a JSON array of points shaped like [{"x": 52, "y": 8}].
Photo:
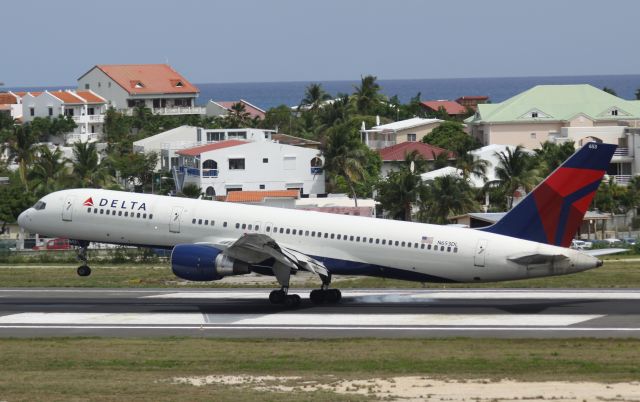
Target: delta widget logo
[{"x": 88, "y": 202}]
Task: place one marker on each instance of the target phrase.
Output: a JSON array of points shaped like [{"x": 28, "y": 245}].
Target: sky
[{"x": 47, "y": 43}]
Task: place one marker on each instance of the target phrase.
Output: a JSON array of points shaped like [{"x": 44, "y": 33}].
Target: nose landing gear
[{"x": 83, "y": 270}]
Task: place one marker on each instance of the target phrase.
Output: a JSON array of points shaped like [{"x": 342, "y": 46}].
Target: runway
[{"x": 384, "y": 313}]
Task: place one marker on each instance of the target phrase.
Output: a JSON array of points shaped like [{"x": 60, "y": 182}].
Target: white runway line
[
  {"x": 295, "y": 320},
  {"x": 408, "y": 295}
]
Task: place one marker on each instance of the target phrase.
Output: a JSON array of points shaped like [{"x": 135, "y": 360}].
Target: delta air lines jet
[{"x": 211, "y": 240}]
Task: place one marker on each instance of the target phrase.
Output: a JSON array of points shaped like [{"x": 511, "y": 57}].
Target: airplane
[{"x": 211, "y": 240}]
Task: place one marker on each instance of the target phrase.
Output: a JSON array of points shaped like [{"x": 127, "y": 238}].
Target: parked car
[
  {"x": 612, "y": 241},
  {"x": 55, "y": 244},
  {"x": 581, "y": 244},
  {"x": 629, "y": 240}
]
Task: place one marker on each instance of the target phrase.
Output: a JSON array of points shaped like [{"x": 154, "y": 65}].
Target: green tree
[
  {"x": 443, "y": 197},
  {"x": 21, "y": 147},
  {"x": 116, "y": 129},
  {"x": 48, "y": 173},
  {"x": 348, "y": 161},
  {"x": 238, "y": 116},
  {"x": 550, "y": 155},
  {"x": 471, "y": 165},
  {"x": 398, "y": 192},
  {"x": 516, "y": 170},
  {"x": 136, "y": 168},
  {"x": 367, "y": 95},
  {"x": 314, "y": 97},
  {"x": 281, "y": 118},
  {"x": 88, "y": 171},
  {"x": 44, "y": 127},
  {"x": 14, "y": 201},
  {"x": 610, "y": 91},
  {"x": 191, "y": 191},
  {"x": 451, "y": 135}
]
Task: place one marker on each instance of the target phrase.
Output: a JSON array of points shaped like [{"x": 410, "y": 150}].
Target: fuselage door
[
  {"x": 481, "y": 252},
  {"x": 67, "y": 209},
  {"x": 174, "y": 219}
]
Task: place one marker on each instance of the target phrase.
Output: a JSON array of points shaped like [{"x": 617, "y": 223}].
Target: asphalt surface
[{"x": 387, "y": 313}]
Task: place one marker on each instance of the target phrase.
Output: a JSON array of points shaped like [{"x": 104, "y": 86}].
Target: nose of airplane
[{"x": 22, "y": 218}]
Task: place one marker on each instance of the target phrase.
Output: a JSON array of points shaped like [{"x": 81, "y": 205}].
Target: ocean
[{"x": 270, "y": 94}]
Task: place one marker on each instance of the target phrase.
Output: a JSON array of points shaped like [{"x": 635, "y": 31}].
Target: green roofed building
[{"x": 578, "y": 113}]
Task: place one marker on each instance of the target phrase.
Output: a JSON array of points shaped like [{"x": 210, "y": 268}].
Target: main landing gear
[
  {"x": 83, "y": 270},
  {"x": 317, "y": 296}
]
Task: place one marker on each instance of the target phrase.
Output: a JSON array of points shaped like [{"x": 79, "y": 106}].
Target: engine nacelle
[{"x": 200, "y": 262}]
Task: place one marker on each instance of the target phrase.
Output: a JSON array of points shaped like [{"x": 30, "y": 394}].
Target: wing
[
  {"x": 255, "y": 248},
  {"x": 604, "y": 251}
]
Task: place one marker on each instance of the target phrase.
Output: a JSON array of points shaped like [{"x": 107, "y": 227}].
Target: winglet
[{"x": 553, "y": 211}]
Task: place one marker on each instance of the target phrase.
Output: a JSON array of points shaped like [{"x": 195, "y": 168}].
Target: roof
[
  {"x": 253, "y": 110},
  {"x": 195, "y": 151},
  {"x": 67, "y": 97},
  {"x": 405, "y": 124},
  {"x": 291, "y": 140},
  {"x": 91, "y": 97},
  {"x": 557, "y": 103},
  {"x": 8, "y": 99},
  {"x": 399, "y": 151},
  {"x": 259, "y": 196},
  {"x": 148, "y": 78},
  {"x": 452, "y": 108}
]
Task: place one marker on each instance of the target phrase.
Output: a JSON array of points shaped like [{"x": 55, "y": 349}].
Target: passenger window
[
  {"x": 268, "y": 229},
  {"x": 358, "y": 238},
  {"x": 119, "y": 213},
  {"x": 126, "y": 213},
  {"x": 213, "y": 223},
  {"x": 150, "y": 216},
  {"x": 89, "y": 210},
  {"x": 339, "y": 236},
  {"x": 332, "y": 234},
  {"x": 257, "y": 228},
  {"x": 294, "y": 231},
  {"x": 144, "y": 216},
  {"x": 193, "y": 221},
  {"x": 288, "y": 231},
  {"x": 95, "y": 210},
  {"x": 351, "y": 238},
  {"x": 306, "y": 233},
  {"x": 384, "y": 242},
  {"x": 101, "y": 211},
  {"x": 250, "y": 227},
  {"x": 448, "y": 249},
  {"x": 107, "y": 212},
  {"x": 138, "y": 215},
  {"x": 397, "y": 242},
  {"x": 415, "y": 245},
  {"x": 224, "y": 224},
  {"x": 455, "y": 249},
  {"x": 206, "y": 222},
  {"x": 326, "y": 235},
  {"x": 282, "y": 230},
  {"x": 377, "y": 241},
  {"x": 244, "y": 226},
  {"x": 237, "y": 226},
  {"x": 402, "y": 244},
  {"x": 441, "y": 248},
  {"x": 422, "y": 246},
  {"x": 429, "y": 247},
  {"x": 199, "y": 221},
  {"x": 313, "y": 234}
]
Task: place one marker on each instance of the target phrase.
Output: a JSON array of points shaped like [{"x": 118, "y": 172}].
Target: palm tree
[
  {"x": 87, "y": 169},
  {"x": 551, "y": 155},
  {"x": 21, "y": 147},
  {"x": 349, "y": 164},
  {"x": 238, "y": 116},
  {"x": 443, "y": 197},
  {"x": 314, "y": 97},
  {"x": 471, "y": 165},
  {"x": 516, "y": 170},
  {"x": 48, "y": 170},
  {"x": 399, "y": 192},
  {"x": 367, "y": 94}
]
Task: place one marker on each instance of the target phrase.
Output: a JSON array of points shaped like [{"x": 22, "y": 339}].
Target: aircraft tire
[
  {"x": 317, "y": 296},
  {"x": 84, "y": 270},
  {"x": 292, "y": 301},
  {"x": 277, "y": 297},
  {"x": 332, "y": 295}
]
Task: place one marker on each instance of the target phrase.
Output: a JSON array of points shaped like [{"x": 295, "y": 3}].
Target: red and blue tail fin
[{"x": 553, "y": 211}]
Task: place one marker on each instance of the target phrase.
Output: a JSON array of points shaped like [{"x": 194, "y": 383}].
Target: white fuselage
[{"x": 346, "y": 244}]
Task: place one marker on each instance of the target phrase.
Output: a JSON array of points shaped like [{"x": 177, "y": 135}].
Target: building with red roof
[
  {"x": 221, "y": 167},
  {"x": 393, "y": 156},
  {"x": 453, "y": 109},
  {"x": 155, "y": 86},
  {"x": 86, "y": 108},
  {"x": 472, "y": 102},
  {"x": 11, "y": 104},
  {"x": 222, "y": 108}
]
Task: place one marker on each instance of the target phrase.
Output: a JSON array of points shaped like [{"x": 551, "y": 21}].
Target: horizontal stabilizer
[
  {"x": 604, "y": 251},
  {"x": 535, "y": 259}
]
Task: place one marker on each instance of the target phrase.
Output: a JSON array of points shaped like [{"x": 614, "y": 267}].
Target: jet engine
[{"x": 201, "y": 262}]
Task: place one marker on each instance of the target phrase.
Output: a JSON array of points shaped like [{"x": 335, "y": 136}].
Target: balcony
[
  {"x": 179, "y": 110},
  {"x": 316, "y": 170},
  {"x": 73, "y": 138},
  {"x": 622, "y": 179},
  {"x": 92, "y": 118},
  {"x": 209, "y": 172},
  {"x": 188, "y": 171}
]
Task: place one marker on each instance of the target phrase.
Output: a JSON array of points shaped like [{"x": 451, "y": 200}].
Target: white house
[
  {"x": 155, "y": 86},
  {"x": 386, "y": 135},
  {"x": 167, "y": 143},
  {"x": 11, "y": 103},
  {"x": 235, "y": 165},
  {"x": 86, "y": 108}
]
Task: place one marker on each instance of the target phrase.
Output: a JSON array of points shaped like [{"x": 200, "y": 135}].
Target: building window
[
  {"x": 289, "y": 163},
  {"x": 262, "y": 187},
  {"x": 265, "y": 160},
  {"x": 534, "y": 114},
  {"x": 614, "y": 112},
  {"x": 215, "y": 136},
  {"x": 239, "y": 135},
  {"x": 86, "y": 86},
  {"x": 50, "y": 111},
  {"x": 236, "y": 164},
  {"x": 32, "y": 111},
  {"x": 411, "y": 137}
]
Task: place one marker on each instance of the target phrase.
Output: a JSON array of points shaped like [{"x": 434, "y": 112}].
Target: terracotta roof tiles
[
  {"x": 452, "y": 108},
  {"x": 195, "y": 151},
  {"x": 148, "y": 78},
  {"x": 259, "y": 196}
]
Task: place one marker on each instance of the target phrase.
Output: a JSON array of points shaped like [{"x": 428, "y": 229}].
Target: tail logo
[{"x": 88, "y": 202}]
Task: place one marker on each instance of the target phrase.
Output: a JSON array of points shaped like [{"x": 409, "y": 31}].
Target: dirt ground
[{"x": 429, "y": 389}]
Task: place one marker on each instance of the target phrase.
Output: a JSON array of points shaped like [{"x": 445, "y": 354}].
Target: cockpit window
[{"x": 40, "y": 205}]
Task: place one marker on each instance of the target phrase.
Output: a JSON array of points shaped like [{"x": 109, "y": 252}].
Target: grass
[
  {"x": 617, "y": 272},
  {"x": 141, "y": 369}
]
